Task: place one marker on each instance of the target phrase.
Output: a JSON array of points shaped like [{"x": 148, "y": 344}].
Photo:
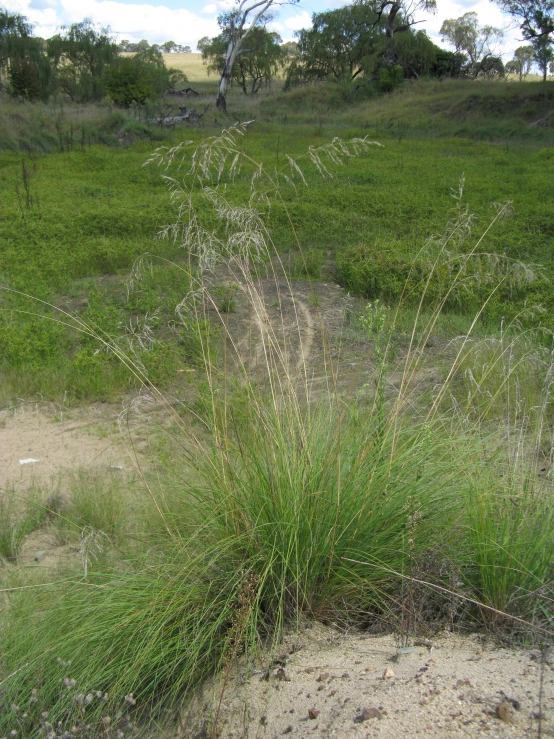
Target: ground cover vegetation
[
  {"x": 75, "y": 217},
  {"x": 375, "y": 500}
]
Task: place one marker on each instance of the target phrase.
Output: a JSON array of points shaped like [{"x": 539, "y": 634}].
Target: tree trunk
[
  {"x": 221, "y": 102},
  {"x": 395, "y": 7}
]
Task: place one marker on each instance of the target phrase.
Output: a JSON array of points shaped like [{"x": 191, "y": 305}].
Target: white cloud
[
  {"x": 275, "y": 26},
  {"x": 133, "y": 21},
  {"x": 158, "y": 23},
  {"x": 298, "y": 21},
  {"x": 218, "y": 6}
]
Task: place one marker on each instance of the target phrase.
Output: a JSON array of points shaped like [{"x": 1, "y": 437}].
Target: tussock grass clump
[{"x": 286, "y": 505}]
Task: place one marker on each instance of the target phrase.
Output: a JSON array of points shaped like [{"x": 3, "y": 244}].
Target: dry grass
[{"x": 191, "y": 65}]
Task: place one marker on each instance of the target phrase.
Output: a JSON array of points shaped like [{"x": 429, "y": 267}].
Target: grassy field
[
  {"x": 271, "y": 501},
  {"x": 192, "y": 65},
  {"x": 74, "y": 222}
]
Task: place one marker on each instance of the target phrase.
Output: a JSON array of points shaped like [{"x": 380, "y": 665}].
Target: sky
[{"x": 187, "y": 21}]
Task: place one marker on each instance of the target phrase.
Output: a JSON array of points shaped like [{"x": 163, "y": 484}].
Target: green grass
[
  {"x": 89, "y": 214},
  {"x": 36, "y": 128},
  {"x": 506, "y": 111},
  {"x": 19, "y": 516}
]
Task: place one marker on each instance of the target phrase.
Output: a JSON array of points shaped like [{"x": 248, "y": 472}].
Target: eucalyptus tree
[
  {"x": 535, "y": 17},
  {"x": 236, "y": 25},
  {"x": 358, "y": 40},
  {"x": 260, "y": 58},
  {"x": 397, "y": 16},
  {"x": 536, "y": 21},
  {"x": 544, "y": 55},
  {"x": 478, "y": 42},
  {"x": 524, "y": 56}
]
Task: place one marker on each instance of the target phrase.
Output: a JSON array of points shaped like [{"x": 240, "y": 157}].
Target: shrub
[
  {"x": 140, "y": 78},
  {"x": 390, "y": 78}
]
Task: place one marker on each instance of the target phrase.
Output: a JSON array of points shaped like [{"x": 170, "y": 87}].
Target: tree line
[
  {"x": 371, "y": 43},
  {"x": 82, "y": 61},
  {"x": 168, "y": 47},
  {"x": 353, "y": 45}
]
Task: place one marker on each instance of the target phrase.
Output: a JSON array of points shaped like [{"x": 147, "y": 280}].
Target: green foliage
[
  {"x": 448, "y": 64},
  {"x": 282, "y": 514},
  {"x": 22, "y": 58},
  {"x": 415, "y": 53},
  {"x": 282, "y": 507},
  {"x": 258, "y": 62},
  {"x": 478, "y": 43},
  {"x": 339, "y": 45},
  {"x": 140, "y": 78},
  {"x": 509, "y": 560},
  {"x": 31, "y": 79},
  {"x": 536, "y": 18},
  {"x": 226, "y": 297},
  {"x": 351, "y": 43},
  {"x": 390, "y": 78},
  {"x": 278, "y": 520},
  {"x": 129, "y": 82},
  {"x": 80, "y": 54},
  {"x": 15, "y": 38},
  {"x": 31, "y": 343},
  {"x": 544, "y": 54},
  {"x": 17, "y": 520},
  {"x": 96, "y": 500},
  {"x": 522, "y": 61},
  {"x": 306, "y": 264},
  {"x": 96, "y": 209},
  {"x": 445, "y": 272}
]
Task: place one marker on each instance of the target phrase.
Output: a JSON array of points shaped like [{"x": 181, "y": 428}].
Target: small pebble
[
  {"x": 367, "y": 714},
  {"x": 504, "y": 712}
]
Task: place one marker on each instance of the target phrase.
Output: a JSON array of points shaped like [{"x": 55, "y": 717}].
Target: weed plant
[{"x": 290, "y": 505}]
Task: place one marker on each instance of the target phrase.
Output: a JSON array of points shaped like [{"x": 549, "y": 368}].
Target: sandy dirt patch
[
  {"x": 355, "y": 686},
  {"x": 81, "y": 438}
]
